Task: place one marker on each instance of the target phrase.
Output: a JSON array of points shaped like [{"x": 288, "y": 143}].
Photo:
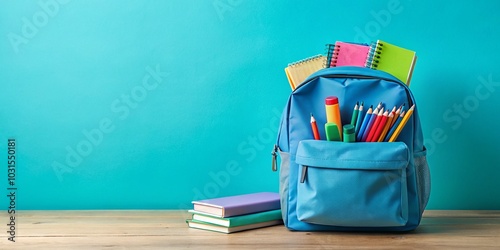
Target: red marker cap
[{"x": 331, "y": 100}]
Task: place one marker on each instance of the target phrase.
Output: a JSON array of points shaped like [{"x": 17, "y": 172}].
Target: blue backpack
[{"x": 340, "y": 186}]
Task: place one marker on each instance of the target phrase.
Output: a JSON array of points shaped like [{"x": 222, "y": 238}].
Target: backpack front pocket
[{"x": 352, "y": 184}]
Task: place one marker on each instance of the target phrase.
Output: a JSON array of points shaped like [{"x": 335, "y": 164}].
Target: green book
[
  {"x": 222, "y": 229},
  {"x": 236, "y": 221},
  {"x": 392, "y": 59}
]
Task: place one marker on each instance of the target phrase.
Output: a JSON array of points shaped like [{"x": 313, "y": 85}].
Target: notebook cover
[
  {"x": 394, "y": 60},
  {"x": 240, "y": 220},
  {"x": 290, "y": 80},
  {"x": 350, "y": 54},
  {"x": 243, "y": 204},
  {"x": 216, "y": 228},
  {"x": 298, "y": 71}
]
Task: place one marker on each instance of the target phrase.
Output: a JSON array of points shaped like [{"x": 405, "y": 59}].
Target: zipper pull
[
  {"x": 304, "y": 174},
  {"x": 274, "y": 162}
]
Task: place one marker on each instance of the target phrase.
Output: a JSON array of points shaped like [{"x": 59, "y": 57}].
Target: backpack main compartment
[{"x": 361, "y": 186}]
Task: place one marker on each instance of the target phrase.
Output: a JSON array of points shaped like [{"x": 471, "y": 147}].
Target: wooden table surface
[{"x": 166, "y": 229}]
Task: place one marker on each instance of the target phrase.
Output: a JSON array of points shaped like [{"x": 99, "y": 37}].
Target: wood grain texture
[{"x": 153, "y": 229}]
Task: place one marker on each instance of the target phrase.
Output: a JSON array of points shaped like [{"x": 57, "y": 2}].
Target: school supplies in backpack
[{"x": 355, "y": 186}]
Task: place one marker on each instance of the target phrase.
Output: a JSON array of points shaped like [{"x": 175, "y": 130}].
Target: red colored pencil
[
  {"x": 375, "y": 125},
  {"x": 380, "y": 127},
  {"x": 314, "y": 127}
]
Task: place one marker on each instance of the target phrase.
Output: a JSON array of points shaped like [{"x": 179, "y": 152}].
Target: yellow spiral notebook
[
  {"x": 298, "y": 71},
  {"x": 392, "y": 59}
]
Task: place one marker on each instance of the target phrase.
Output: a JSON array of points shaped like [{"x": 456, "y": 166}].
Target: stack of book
[{"x": 236, "y": 213}]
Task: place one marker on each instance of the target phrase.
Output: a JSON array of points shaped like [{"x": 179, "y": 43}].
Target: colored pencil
[
  {"x": 370, "y": 124},
  {"x": 396, "y": 123},
  {"x": 386, "y": 127},
  {"x": 398, "y": 112},
  {"x": 393, "y": 110},
  {"x": 402, "y": 124},
  {"x": 314, "y": 127},
  {"x": 366, "y": 119},
  {"x": 374, "y": 128},
  {"x": 359, "y": 120},
  {"x": 380, "y": 127},
  {"x": 355, "y": 114}
]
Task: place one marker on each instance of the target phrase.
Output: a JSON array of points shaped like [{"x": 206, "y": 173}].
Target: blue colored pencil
[
  {"x": 359, "y": 119},
  {"x": 365, "y": 123},
  {"x": 370, "y": 124},
  {"x": 394, "y": 126}
]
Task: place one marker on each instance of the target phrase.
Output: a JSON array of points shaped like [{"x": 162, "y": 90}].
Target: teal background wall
[{"x": 151, "y": 104}]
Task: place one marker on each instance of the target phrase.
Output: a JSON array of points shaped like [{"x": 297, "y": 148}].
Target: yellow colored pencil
[{"x": 402, "y": 124}]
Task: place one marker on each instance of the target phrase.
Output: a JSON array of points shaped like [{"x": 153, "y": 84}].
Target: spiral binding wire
[
  {"x": 374, "y": 55},
  {"x": 335, "y": 56},
  {"x": 331, "y": 49},
  {"x": 305, "y": 60}
]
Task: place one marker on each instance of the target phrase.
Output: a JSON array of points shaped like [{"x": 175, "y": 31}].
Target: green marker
[
  {"x": 332, "y": 132},
  {"x": 349, "y": 133}
]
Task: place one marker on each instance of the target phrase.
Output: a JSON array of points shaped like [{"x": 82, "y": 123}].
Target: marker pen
[
  {"x": 333, "y": 113},
  {"x": 349, "y": 135},
  {"x": 332, "y": 132}
]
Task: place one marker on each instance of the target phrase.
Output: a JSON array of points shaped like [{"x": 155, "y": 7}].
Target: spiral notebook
[
  {"x": 346, "y": 54},
  {"x": 298, "y": 71},
  {"x": 392, "y": 59}
]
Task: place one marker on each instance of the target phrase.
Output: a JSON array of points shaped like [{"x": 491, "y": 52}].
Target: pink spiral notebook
[{"x": 347, "y": 54}]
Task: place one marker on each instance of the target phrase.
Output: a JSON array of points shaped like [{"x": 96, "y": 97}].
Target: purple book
[{"x": 239, "y": 204}]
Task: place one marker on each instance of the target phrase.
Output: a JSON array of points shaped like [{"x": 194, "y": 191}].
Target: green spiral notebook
[{"x": 392, "y": 59}]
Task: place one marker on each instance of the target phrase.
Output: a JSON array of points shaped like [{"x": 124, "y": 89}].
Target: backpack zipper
[
  {"x": 275, "y": 160},
  {"x": 410, "y": 102}
]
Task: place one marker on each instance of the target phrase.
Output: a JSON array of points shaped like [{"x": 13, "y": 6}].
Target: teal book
[
  {"x": 216, "y": 228},
  {"x": 236, "y": 221}
]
